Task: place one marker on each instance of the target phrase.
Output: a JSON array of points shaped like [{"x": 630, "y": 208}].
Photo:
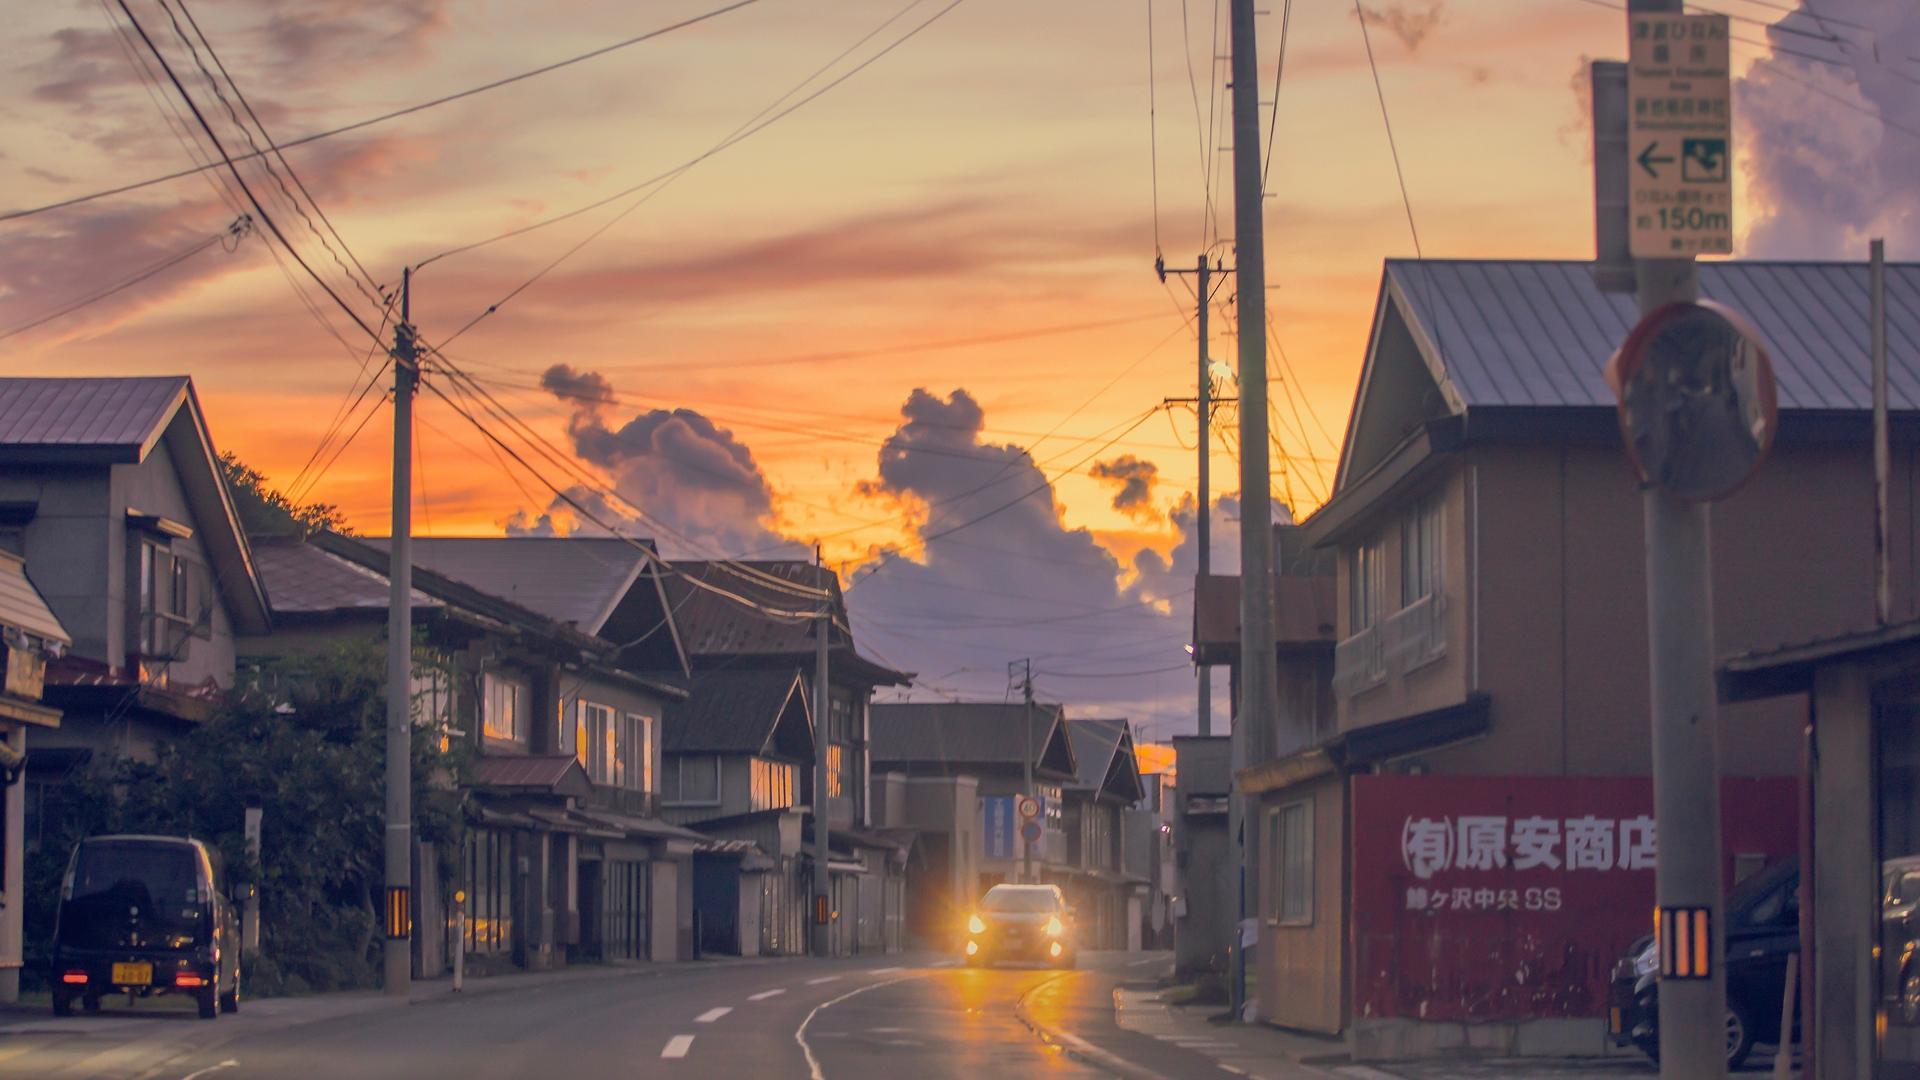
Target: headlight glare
[
  {"x": 1054, "y": 926},
  {"x": 976, "y": 925}
]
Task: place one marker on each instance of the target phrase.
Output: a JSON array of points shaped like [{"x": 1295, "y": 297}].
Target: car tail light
[
  {"x": 188, "y": 978},
  {"x": 78, "y": 977}
]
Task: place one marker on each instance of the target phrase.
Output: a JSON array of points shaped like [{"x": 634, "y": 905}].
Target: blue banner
[{"x": 996, "y": 818}]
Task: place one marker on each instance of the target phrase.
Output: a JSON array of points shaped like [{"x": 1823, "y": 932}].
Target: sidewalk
[{"x": 1268, "y": 1053}]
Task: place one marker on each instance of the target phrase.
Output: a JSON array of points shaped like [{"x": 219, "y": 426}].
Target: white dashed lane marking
[
  {"x": 822, "y": 979},
  {"x": 711, "y": 1015},
  {"x": 765, "y": 994},
  {"x": 677, "y": 1046}
]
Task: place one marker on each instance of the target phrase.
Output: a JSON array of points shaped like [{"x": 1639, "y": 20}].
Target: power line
[
  {"x": 265, "y": 218},
  {"x": 666, "y": 178},
  {"x": 238, "y": 231},
  {"x": 384, "y": 117},
  {"x": 268, "y": 162},
  {"x": 1279, "y": 74}
]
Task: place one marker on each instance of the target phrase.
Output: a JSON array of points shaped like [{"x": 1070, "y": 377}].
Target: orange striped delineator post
[{"x": 1686, "y": 942}]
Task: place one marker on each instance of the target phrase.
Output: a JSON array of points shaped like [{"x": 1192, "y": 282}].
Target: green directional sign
[{"x": 1679, "y": 131}]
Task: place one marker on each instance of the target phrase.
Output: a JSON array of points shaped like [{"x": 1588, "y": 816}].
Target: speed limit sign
[{"x": 1029, "y": 806}]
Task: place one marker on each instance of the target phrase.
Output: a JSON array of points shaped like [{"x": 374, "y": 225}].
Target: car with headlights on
[
  {"x": 1021, "y": 922},
  {"x": 1762, "y": 930}
]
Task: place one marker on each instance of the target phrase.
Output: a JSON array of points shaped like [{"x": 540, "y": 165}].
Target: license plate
[
  {"x": 1613, "y": 1020},
  {"x": 133, "y": 974}
]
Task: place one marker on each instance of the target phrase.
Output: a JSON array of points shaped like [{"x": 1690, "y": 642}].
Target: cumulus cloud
[
  {"x": 1823, "y": 163},
  {"x": 1412, "y": 23},
  {"x": 1135, "y": 479},
  {"x": 700, "y": 487}
]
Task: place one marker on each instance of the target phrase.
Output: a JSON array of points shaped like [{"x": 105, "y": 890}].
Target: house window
[
  {"x": 1420, "y": 553},
  {"x": 615, "y": 749},
  {"x": 489, "y": 879},
  {"x": 637, "y": 773},
  {"x": 1290, "y": 855},
  {"x": 503, "y": 709},
  {"x": 693, "y": 780},
  {"x": 772, "y": 785},
  {"x": 836, "y": 771},
  {"x": 1366, "y": 572},
  {"x": 433, "y": 698},
  {"x": 175, "y": 602}
]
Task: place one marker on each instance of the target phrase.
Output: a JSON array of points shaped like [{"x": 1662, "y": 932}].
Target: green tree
[
  {"x": 305, "y": 740},
  {"x": 264, "y": 509}
]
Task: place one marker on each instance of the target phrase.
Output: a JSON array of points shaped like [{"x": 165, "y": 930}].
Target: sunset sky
[{"x": 973, "y": 215}]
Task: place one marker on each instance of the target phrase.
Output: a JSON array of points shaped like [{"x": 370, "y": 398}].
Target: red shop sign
[{"x": 1510, "y": 898}]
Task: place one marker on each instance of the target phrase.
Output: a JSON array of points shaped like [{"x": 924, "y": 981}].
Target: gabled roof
[
  {"x": 1537, "y": 333},
  {"x": 1103, "y": 758},
  {"x": 577, "y": 580},
  {"x": 118, "y": 421},
  {"x": 21, "y": 605},
  {"x": 305, "y": 579},
  {"x": 751, "y": 711},
  {"x": 553, "y": 774},
  {"x": 960, "y": 734},
  {"x": 112, "y": 420},
  {"x": 713, "y": 626}
]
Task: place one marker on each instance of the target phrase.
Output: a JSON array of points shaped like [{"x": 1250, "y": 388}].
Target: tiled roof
[
  {"x": 119, "y": 413},
  {"x": 575, "y": 580},
  {"x": 1517, "y": 332},
  {"x": 21, "y": 605},
  {"x": 730, "y": 711},
  {"x": 301, "y": 579}
]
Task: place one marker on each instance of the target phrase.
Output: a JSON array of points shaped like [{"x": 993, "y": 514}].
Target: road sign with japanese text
[
  {"x": 996, "y": 813},
  {"x": 1679, "y": 137}
]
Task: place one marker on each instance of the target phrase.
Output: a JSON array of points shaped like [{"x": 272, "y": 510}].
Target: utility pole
[
  {"x": 398, "y": 953},
  {"x": 1257, "y": 711},
  {"x": 1882, "y": 458},
  {"x": 1203, "y": 403},
  {"x": 1026, "y": 765},
  {"x": 822, "y": 805}
]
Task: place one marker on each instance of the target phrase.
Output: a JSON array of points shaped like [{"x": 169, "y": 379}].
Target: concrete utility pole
[
  {"x": 1882, "y": 457},
  {"x": 1258, "y": 675},
  {"x": 1026, "y": 767},
  {"x": 1203, "y": 402},
  {"x": 399, "y": 848},
  {"x": 1686, "y": 751},
  {"x": 823, "y": 740}
]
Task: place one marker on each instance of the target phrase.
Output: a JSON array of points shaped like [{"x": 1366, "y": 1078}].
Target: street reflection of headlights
[
  {"x": 1054, "y": 928},
  {"x": 1648, "y": 960},
  {"x": 976, "y": 925}
]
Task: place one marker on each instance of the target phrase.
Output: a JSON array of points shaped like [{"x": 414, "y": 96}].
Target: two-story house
[
  {"x": 111, "y": 491},
  {"x": 1109, "y": 900},
  {"x": 953, "y": 771},
  {"x": 30, "y": 635},
  {"x": 1463, "y": 858},
  {"x": 745, "y": 775},
  {"x": 564, "y": 859}
]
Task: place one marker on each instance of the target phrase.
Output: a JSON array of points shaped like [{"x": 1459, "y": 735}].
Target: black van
[{"x": 144, "y": 915}]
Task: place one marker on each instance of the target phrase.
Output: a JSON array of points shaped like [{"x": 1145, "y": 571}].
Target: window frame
[
  {"x": 1366, "y": 585},
  {"x": 1422, "y": 552},
  {"x": 1285, "y": 911},
  {"x": 517, "y": 728},
  {"x": 679, "y": 798}
]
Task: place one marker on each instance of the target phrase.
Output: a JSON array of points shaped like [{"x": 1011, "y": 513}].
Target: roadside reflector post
[{"x": 459, "y": 939}]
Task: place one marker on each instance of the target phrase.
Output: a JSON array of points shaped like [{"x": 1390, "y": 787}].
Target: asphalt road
[{"x": 918, "y": 1017}]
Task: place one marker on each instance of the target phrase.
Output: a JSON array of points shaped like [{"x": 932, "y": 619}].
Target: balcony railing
[
  {"x": 1417, "y": 634},
  {"x": 1359, "y": 662}
]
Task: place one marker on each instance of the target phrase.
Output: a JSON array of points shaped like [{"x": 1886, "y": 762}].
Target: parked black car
[
  {"x": 1762, "y": 930},
  {"x": 145, "y": 915},
  {"x": 1900, "y": 938}
]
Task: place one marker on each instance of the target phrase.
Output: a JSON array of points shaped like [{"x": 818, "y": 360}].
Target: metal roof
[
  {"x": 556, "y": 773},
  {"x": 117, "y": 413},
  {"x": 733, "y": 712},
  {"x": 1518, "y": 332},
  {"x": 1094, "y": 744},
  {"x": 576, "y": 580},
  {"x": 21, "y": 605},
  {"x": 302, "y": 579},
  {"x": 968, "y": 732},
  {"x": 712, "y": 624}
]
